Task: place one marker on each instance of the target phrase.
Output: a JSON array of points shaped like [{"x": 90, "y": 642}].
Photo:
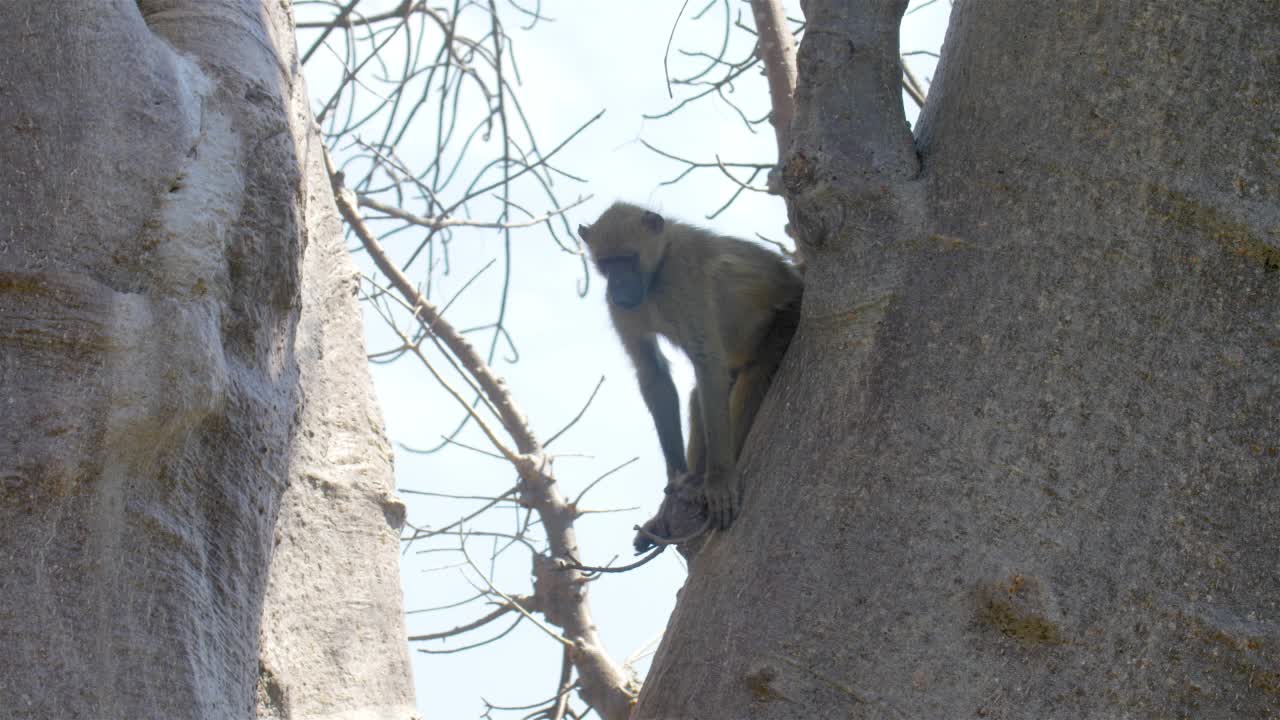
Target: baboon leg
[{"x": 752, "y": 383}]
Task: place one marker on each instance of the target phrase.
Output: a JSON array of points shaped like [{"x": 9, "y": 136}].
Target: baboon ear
[
  {"x": 652, "y": 222},
  {"x": 582, "y": 231}
]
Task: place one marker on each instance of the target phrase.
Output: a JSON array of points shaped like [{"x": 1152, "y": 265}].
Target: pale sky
[{"x": 608, "y": 55}]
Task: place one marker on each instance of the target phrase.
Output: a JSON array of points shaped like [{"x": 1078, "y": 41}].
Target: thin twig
[
  {"x": 515, "y": 605},
  {"x": 593, "y": 483},
  {"x": 666, "y": 72},
  {"x": 474, "y": 625},
  {"x": 472, "y": 646},
  {"x": 497, "y": 393},
  {"x": 912, "y": 85},
  {"x": 577, "y": 417}
]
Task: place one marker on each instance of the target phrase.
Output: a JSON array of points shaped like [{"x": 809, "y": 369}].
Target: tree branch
[
  {"x": 512, "y": 419},
  {"x": 559, "y": 596},
  {"x": 474, "y": 625},
  {"x": 776, "y": 47}
]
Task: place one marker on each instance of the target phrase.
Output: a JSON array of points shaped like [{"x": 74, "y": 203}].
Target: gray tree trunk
[
  {"x": 1023, "y": 459},
  {"x": 195, "y": 508}
]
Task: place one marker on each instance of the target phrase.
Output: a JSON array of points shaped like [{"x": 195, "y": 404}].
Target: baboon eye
[{"x": 612, "y": 264}]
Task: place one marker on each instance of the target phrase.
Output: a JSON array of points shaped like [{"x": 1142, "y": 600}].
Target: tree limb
[{"x": 776, "y": 47}]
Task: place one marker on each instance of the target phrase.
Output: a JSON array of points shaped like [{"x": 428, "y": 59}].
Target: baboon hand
[{"x": 721, "y": 493}]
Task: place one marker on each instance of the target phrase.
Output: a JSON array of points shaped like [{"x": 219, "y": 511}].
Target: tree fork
[{"x": 850, "y": 170}]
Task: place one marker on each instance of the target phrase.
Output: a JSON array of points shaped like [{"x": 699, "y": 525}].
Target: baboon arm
[
  {"x": 720, "y": 486},
  {"x": 660, "y": 396},
  {"x": 705, "y": 346},
  {"x": 713, "y": 397}
]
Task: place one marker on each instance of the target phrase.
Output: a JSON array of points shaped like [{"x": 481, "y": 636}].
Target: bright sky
[{"x": 604, "y": 55}]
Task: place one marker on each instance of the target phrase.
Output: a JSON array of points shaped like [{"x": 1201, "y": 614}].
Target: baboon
[{"x": 730, "y": 305}]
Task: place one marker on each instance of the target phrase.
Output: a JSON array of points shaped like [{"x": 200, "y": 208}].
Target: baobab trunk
[
  {"x": 1023, "y": 458},
  {"x": 195, "y": 502}
]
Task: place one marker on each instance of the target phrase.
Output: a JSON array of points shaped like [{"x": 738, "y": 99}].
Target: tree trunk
[
  {"x": 194, "y": 487},
  {"x": 1023, "y": 459}
]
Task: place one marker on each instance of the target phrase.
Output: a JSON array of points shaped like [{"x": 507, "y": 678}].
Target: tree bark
[
  {"x": 195, "y": 500},
  {"x": 1023, "y": 458}
]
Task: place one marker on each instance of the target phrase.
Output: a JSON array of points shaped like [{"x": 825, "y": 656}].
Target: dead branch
[
  {"x": 438, "y": 223},
  {"x": 598, "y": 569},
  {"x": 494, "y": 389},
  {"x": 776, "y": 47},
  {"x": 912, "y": 85},
  {"x": 479, "y": 623},
  {"x": 602, "y": 684}
]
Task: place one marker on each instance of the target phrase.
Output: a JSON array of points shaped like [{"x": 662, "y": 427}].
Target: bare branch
[
  {"x": 476, "y": 624},
  {"x": 472, "y": 646},
  {"x": 493, "y": 388},
  {"x": 563, "y": 687},
  {"x": 695, "y": 165},
  {"x": 328, "y": 27},
  {"x": 414, "y": 349},
  {"x": 576, "y": 418},
  {"x": 725, "y": 170},
  {"x": 410, "y": 71},
  {"x": 513, "y": 603},
  {"x": 920, "y": 7},
  {"x": 912, "y": 85},
  {"x": 776, "y": 47},
  {"x": 480, "y": 451},
  {"x": 593, "y": 483},
  {"x": 447, "y": 529},
  {"x": 451, "y": 496},
  {"x": 596, "y": 570},
  {"x": 438, "y": 223},
  {"x": 666, "y": 71},
  {"x": 661, "y": 541}
]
